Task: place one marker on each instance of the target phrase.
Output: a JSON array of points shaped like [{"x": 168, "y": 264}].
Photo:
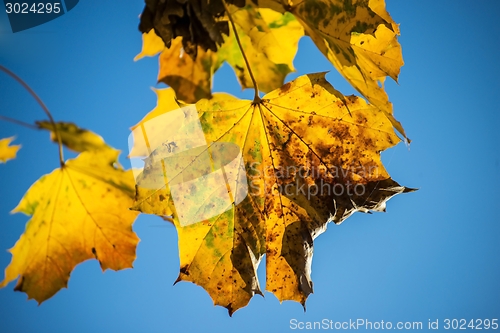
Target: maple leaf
[
  {"x": 311, "y": 156},
  {"x": 8, "y": 152},
  {"x": 191, "y": 79},
  {"x": 270, "y": 40},
  {"x": 79, "y": 211},
  {"x": 360, "y": 40},
  {"x": 75, "y": 138}
]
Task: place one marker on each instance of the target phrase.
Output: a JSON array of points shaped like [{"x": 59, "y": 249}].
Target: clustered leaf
[
  {"x": 270, "y": 40},
  {"x": 310, "y": 155},
  {"x": 358, "y": 37},
  {"x": 303, "y": 134}
]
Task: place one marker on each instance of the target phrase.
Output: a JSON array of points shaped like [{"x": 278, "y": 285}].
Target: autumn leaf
[
  {"x": 311, "y": 156},
  {"x": 270, "y": 40},
  {"x": 78, "y": 212},
  {"x": 360, "y": 40},
  {"x": 8, "y": 152},
  {"x": 198, "y": 23},
  {"x": 74, "y": 137},
  {"x": 191, "y": 79}
]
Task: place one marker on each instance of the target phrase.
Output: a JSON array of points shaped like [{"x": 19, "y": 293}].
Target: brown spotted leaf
[
  {"x": 360, "y": 39},
  {"x": 305, "y": 155}
]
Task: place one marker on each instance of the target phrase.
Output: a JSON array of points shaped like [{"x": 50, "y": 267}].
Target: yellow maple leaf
[
  {"x": 79, "y": 212},
  {"x": 358, "y": 37},
  {"x": 191, "y": 79},
  {"x": 8, "y": 152},
  {"x": 270, "y": 41},
  {"x": 309, "y": 156},
  {"x": 74, "y": 137},
  {"x": 360, "y": 40}
]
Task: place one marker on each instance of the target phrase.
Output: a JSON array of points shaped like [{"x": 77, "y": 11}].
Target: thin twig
[
  {"x": 45, "y": 109},
  {"x": 256, "y": 98},
  {"x": 18, "y": 122}
]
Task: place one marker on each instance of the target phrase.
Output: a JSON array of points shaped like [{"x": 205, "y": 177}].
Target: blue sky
[{"x": 433, "y": 255}]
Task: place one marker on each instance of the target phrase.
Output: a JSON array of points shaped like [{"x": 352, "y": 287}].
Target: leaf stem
[
  {"x": 18, "y": 122},
  {"x": 45, "y": 109},
  {"x": 256, "y": 98}
]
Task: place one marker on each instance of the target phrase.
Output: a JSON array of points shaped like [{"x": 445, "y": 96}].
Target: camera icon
[{"x": 205, "y": 180}]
